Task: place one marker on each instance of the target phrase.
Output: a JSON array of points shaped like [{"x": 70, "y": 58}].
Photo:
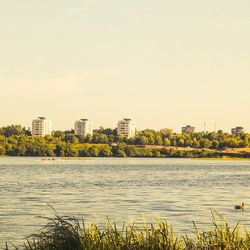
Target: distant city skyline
[
  {"x": 201, "y": 127},
  {"x": 165, "y": 64},
  {"x": 89, "y": 126}
]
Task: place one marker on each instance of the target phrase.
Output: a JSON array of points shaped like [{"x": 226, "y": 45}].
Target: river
[{"x": 126, "y": 189}]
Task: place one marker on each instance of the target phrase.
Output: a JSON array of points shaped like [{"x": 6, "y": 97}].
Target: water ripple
[{"x": 179, "y": 190}]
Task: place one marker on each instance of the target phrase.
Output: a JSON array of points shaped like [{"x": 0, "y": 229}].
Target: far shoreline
[{"x": 77, "y": 158}]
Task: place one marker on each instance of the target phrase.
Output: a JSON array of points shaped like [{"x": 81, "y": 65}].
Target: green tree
[
  {"x": 120, "y": 153},
  {"x": 105, "y": 151},
  {"x": 94, "y": 151},
  {"x": 156, "y": 153},
  {"x": 130, "y": 151},
  {"x": 158, "y": 140},
  {"x": 215, "y": 144},
  {"x": 166, "y": 142},
  {"x": 196, "y": 143},
  {"x": 88, "y": 138},
  {"x": 59, "y": 150},
  {"x": 2, "y": 150},
  {"x": 141, "y": 140},
  {"x": 205, "y": 143},
  {"x": 151, "y": 140}
]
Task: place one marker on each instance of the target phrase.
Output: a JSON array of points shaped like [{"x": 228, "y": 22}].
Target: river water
[{"x": 179, "y": 190}]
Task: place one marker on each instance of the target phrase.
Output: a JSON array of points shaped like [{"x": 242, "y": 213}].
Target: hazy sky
[{"x": 163, "y": 63}]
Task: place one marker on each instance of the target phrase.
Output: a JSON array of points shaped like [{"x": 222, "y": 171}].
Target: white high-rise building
[
  {"x": 84, "y": 127},
  {"x": 126, "y": 127},
  {"x": 41, "y": 127}
]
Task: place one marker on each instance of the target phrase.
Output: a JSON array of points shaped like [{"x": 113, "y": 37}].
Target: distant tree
[
  {"x": 120, "y": 153},
  {"x": 151, "y": 140},
  {"x": 130, "y": 151},
  {"x": 2, "y": 150},
  {"x": 180, "y": 142},
  {"x": 94, "y": 151},
  {"x": 205, "y": 143},
  {"x": 13, "y": 130},
  {"x": 57, "y": 133},
  {"x": 141, "y": 140},
  {"x": 2, "y": 139},
  {"x": 70, "y": 151},
  {"x": 166, "y": 142},
  {"x": 196, "y": 143},
  {"x": 88, "y": 138},
  {"x": 158, "y": 140},
  {"x": 59, "y": 150},
  {"x": 105, "y": 151},
  {"x": 156, "y": 153},
  {"x": 166, "y": 132},
  {"x": 81, "y": 138},
  {"x": 215, "y": 144}
]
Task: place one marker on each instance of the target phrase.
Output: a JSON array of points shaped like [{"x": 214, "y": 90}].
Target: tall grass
[{"x": 65, "y": 233}]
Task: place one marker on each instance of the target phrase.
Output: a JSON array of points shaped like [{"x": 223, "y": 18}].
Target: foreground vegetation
[
  {"x": 70, "y": 234},
  {"x": 16, "y": 140}
]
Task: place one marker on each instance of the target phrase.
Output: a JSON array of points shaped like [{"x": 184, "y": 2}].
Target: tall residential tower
[
  {"x": 84, "y": 127},
  {"x": 126, "y": 127},
  {"x": 41, "y": 127}
]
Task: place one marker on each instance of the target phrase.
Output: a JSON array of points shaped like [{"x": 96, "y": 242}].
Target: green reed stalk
[{"x": 65, "y": 233}]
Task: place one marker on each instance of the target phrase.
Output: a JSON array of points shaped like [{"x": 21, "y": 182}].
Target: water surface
[{"x": 179, "y": 190}]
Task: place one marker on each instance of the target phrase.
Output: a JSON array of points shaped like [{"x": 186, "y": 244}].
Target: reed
[{"x": 65, "y": 233}]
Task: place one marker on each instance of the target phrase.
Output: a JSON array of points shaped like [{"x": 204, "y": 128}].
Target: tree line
[{"x": 16, "y": 140}]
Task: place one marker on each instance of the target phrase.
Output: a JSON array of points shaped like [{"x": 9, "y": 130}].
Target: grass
[
  {"x": 222, "y": 159},
  {"x": 65, "y": 233}
]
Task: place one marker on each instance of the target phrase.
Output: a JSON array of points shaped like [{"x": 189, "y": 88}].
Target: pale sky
[{"x": 163, "y": 63}]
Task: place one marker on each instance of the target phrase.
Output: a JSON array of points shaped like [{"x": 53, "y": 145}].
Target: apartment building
[
  {"x": 237, "y": 130},
  {"x": 41, "y": 127},
  {"x": 83, "y": 127},
  {"x": 126, "y": 127},
  {"x": 188, "y": 129}
]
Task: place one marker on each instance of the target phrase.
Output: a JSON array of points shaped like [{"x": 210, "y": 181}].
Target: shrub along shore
[
  {"x": 15, "y": 140},
  {"x": 64, "y": 233}
]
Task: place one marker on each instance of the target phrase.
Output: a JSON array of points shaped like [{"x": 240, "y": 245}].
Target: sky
[{"x": 162, "y": 63}]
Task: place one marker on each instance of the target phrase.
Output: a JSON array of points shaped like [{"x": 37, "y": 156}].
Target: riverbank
[
  {"x": 222, "y": 159},
  {"x": 70, "y": 233},
  {"x": 89, "y": 150}
]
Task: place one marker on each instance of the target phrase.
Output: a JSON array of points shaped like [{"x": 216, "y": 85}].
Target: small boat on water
[{"x": 48, "y": 159}]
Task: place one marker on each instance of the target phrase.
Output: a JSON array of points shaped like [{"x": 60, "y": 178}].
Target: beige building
[
  {"x": 83, "y": 127},
  {"x": 237, "y": 130},
  {"x": 126, "y": 127},
  {"x": 41, "y": 127},
  {"x": 188, "y": 129}
]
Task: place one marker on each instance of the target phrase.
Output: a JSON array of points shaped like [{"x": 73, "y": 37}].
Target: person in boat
[{"x": 242, "y": 206}]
